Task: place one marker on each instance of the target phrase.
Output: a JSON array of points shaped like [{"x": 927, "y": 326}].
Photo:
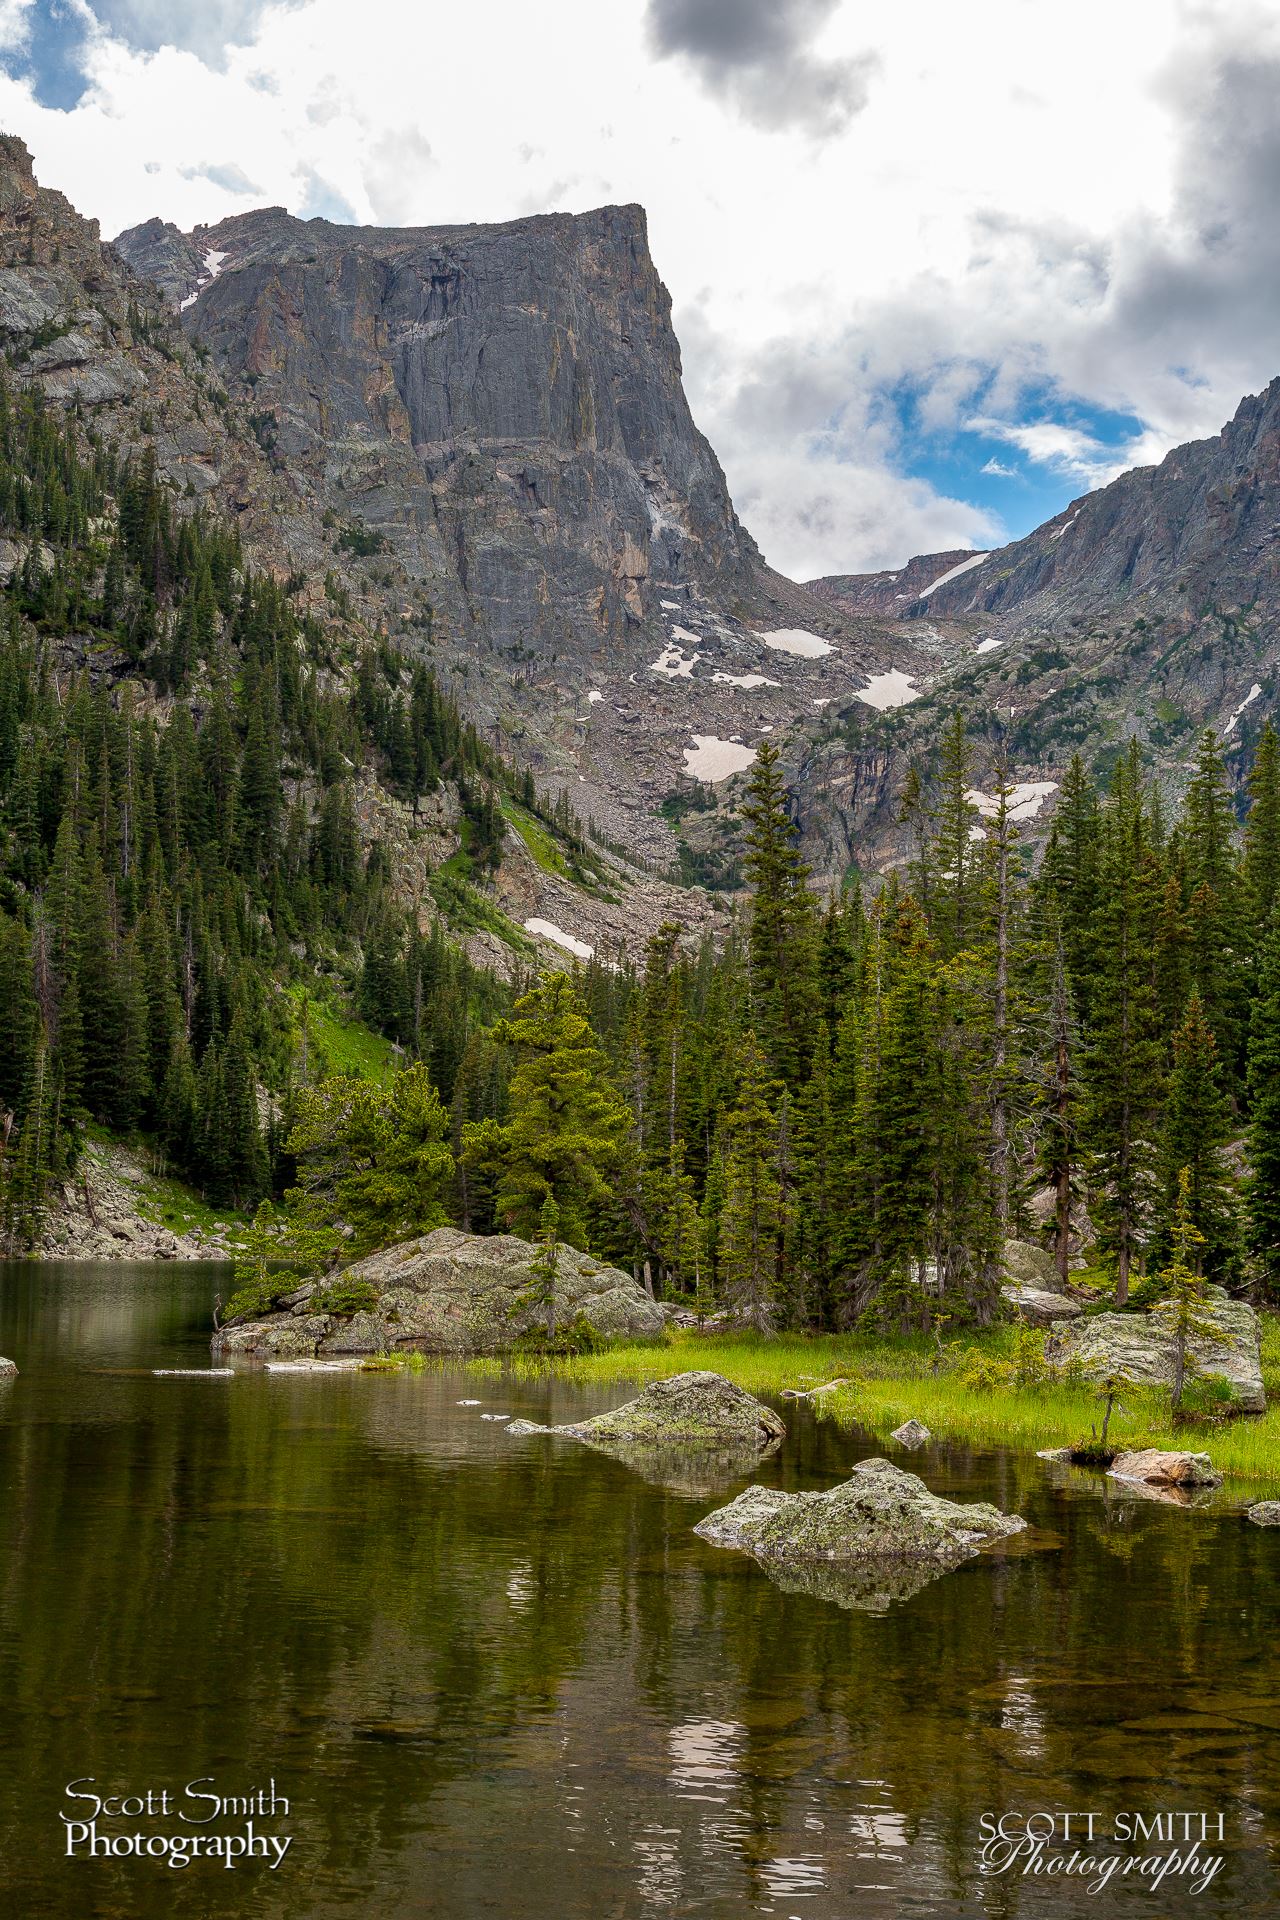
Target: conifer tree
[
  {"x": 567, "y": 1127},
  {"x": 752, "y": 1223},
  {"x": 1263, "y": 1189},
  {"x": 1193, "y": 1170},
  {"x": 783, "y": 923}
]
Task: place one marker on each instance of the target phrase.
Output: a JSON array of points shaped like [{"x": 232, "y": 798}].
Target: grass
[
  {"x": 348, "y": 1047},
  {"x": 539, "y": 842},
  {"x": 891, "y": 1381}
]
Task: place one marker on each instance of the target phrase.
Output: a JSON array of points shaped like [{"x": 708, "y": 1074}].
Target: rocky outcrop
[
  {"x": 1036, "y": 1307},
  {"x": 110, "y": 1208},
  {"x": 698, "y": 1409},
  {"x": 1166, "y": 1469},
  {"x": 1141, "y": 1346},
  {"x": 447, "y": 1292},
  {"x": 879, "y": 1513}
]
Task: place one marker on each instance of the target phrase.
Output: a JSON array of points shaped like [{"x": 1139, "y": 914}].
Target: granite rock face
[
  {"x": 493, "y": 423},
  {"x": 1140, "y": 1345},
  {"x": 879, "y": 1512},
  {"x": 447, "y": 1292}
]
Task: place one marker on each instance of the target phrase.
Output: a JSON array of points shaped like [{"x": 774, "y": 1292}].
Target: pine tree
[
  {"x": 1193, "y": 1165},
  {"x": 752, "y": 1224},
  {"x": 783, "y": 932},
  {"x": 1263, "y": 1190},
  {"x": 1123, "y": 1062},
  {"x": 567, "y": 1126}
]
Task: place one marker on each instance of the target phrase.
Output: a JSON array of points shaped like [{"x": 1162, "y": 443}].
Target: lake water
[{"x": 500, "y": 1677}]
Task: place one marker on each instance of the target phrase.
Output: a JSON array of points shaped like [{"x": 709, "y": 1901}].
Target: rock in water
[
  {"x": 8, "y": 1371},
  {"x": 1166, "y": 1469},
  {"x": 448, "y": 1292},
  {"x": 879, "y": 1513},
  {"x": 1141, "y": 1345},
  {"x": 912, "y": 1433},
  {"x": 688, "y": 1410},
  {"x": 1264, "y": 1513}
]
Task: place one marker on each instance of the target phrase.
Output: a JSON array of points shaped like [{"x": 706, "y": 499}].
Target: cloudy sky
[{"x": 936, "y": 269}]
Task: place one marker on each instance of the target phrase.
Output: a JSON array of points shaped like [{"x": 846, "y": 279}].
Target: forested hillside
[
  {"x": 842, "y": 1115},
  {"x": 178, "y": 853}
]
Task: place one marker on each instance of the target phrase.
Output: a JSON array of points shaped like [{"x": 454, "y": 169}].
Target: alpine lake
[{"x": 503, "y": 1677}]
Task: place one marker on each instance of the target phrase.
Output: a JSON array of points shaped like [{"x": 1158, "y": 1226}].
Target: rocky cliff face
[{"x": 491, "y": 422}]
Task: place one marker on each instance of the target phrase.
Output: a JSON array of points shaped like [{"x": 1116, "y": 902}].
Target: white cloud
[{"x": 959, "y": 236}]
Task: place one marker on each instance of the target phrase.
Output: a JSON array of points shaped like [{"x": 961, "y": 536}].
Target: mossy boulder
[
  {"x": 880, "y": 1512},
  {"x": 446, "y": 1292},
  {"x": 698, "y": 1409}
]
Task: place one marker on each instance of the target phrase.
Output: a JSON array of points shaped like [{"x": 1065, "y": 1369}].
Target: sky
[{"x": 936, "y": 270}]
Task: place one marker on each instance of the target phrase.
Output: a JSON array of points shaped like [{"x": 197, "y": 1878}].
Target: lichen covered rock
[
  {"x": 912, "y": 1433},
  {"x": 1141, "y": 1345},
  {"x": 690, "y": 1409},
  {"x": 879, "y": 1512},
  {"x": 1264, "y": 1513},
  {"x": 447, "y": 1292}
]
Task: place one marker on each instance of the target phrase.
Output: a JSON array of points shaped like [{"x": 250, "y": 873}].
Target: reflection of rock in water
[
  {"x": 864, "y": 1586},
  {"x": 698, "y": 1475}
]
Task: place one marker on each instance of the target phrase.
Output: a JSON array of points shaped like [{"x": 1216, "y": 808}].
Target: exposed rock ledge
[{"x": 447, "y": 1292}]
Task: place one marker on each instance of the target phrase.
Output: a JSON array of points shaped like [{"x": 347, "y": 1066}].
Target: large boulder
[
  {"x": 447, "y": 1292},
  {"x": 688, "y": 1410},
  {"x": 1141, "y": 1345},
  {"x": 1029, "y": 1266},
  {"x": 8, "y": 1369},
  {"x": 1264, "y": 1513},
  {"x": 1040, "y": 1307},
  {"x": 1162, "y": 1469},
  {"x": 880, "y": 1512}
]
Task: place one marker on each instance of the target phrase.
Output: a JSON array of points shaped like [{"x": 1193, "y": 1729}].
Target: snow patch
[
  {"x": 548, "y": 930},
  {"x": 952, "y": 573},
  {"x": 212, "y": 268},
  {"x": 1024, "y": 801},
  {"x": 593, "y": 696},
  {"x": 669, "y": 606},
  {"x": 748, "y": 680},
  {"x": 689, "y": 639},
  {"x": 885, "y": 690},
  {"x": 989, "y": 646},
  {"x": 710, "y": 759},
  {"x": 1066, "y": 526},
  {"x": 977, "y": 833},
  {"x": 1252, "y": 695},
  {"x": 822, "y": 703},
  {"x": 805, "y": 646},
  {"x": 674, "y": 664}
]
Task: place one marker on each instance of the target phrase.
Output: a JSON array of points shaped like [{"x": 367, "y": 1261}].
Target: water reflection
[{"x": 501, "y": 1677}]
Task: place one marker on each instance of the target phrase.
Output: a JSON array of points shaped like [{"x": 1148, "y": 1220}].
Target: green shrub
[{"x": 345, "y": 1295}]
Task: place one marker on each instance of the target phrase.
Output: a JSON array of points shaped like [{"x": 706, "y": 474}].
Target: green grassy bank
[{"x": 892, "y": 1381}]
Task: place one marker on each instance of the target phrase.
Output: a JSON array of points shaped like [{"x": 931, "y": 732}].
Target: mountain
[
  {"x": 1147, "y": 608},
  {"x": 493, "y": 418}
]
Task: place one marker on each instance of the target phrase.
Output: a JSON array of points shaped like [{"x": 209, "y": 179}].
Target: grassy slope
[{"x": 891, "y": 1382}]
